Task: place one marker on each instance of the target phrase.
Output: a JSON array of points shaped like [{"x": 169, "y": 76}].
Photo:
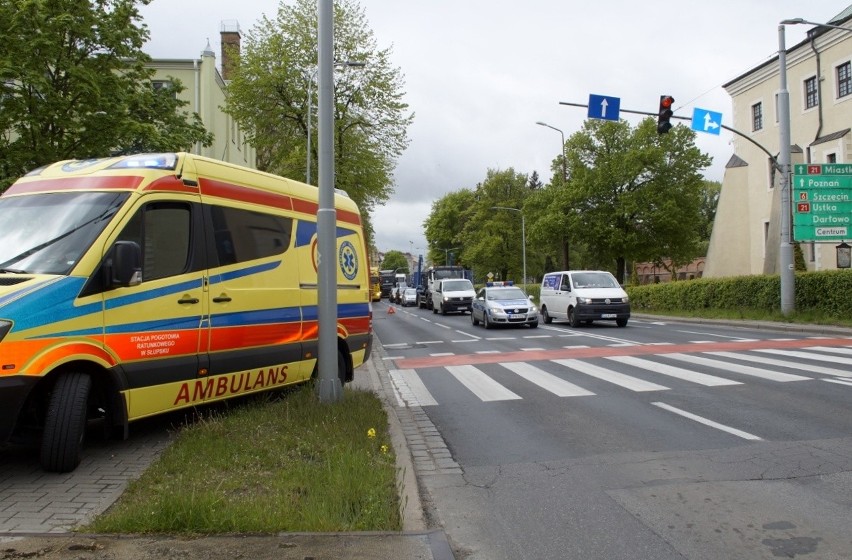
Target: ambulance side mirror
[{"x": 126, "y": 264}]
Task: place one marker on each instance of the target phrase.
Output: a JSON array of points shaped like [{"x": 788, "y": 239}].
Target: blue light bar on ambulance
[
  {"x": 500, "y": 284},
  {"x": 147, "y": 161}
]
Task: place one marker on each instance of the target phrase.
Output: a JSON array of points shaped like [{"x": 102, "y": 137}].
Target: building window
[
  {"x": 757, "y": 116},
  {"x": 844, "y": 79},
  {"x": 811, "y": 96},
  {"x": 163, "y": 86},
  {"x": 831, "y": 158}
]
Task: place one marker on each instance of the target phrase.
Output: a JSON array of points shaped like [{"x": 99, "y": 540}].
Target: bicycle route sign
[{"x": 822, "y": 199}]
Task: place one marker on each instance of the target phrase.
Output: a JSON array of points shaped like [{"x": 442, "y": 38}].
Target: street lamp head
[
  {"x": 793, "y": 21},
  {"x": 540, "y": 123}
]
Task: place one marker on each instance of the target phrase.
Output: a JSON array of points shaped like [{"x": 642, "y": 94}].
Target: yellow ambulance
[{"x": 137, "y": 285}]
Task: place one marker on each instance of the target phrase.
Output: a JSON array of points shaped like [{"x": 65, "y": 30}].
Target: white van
[
  {"x": 453, "y": 294},
  {"x": 583, "y": 296}
]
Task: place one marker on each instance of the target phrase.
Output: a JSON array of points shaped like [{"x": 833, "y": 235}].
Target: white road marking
[
  {"x": 807, "y": 356},
  {"x": 679, "y": 373},
  {"x": 707, "y": 422},
  {"x": 480, "y": 384},
  {"x": 782, "y": 363},
  {"x": 737, "y": 368},
  {"x": 409, "y": 389},
  {"x": 547, "y": 381},
  {"x": 626, "y": 381}
]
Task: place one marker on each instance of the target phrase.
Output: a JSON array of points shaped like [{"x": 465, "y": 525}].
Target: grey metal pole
[
  {"x": 310, "y": 110},
  {"x": 524, "y": 250},
  {"x": 330, "y": 388},
  {"x": 786, "y": 260}
]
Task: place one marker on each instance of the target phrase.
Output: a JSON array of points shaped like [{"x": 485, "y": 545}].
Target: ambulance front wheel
[{"x": 65, "y": 423}]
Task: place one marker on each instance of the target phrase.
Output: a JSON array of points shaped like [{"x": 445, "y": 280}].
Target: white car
[
  {"x": 452, "y": 294},
  {"x": 583, "y": 296}
]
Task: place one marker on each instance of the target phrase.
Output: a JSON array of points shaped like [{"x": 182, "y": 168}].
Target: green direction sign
[
  {"x": 822, "y": 182},
  {"x": 822, "y": 202},
  {"x": 822, "y": 169}
]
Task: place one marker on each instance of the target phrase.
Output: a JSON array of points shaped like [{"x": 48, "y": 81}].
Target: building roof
[
  {"x": 833, "y": 136},
  {"x": 839, "y": 19}
]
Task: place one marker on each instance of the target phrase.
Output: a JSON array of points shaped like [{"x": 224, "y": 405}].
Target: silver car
[
  {"x": 503, "y": 304},
  {"x": 409, "y": 297}
]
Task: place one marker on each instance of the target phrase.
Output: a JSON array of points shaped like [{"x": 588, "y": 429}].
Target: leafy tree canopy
[
  {"x": 275, "y": 87},
  {"x": 395, "y": 260},
  {"x": 633, "y": 193},
  {"x": 75, "y": 85}
]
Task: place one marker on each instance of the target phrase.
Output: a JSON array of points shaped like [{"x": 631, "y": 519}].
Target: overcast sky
[{"x": 480, "y": 73}]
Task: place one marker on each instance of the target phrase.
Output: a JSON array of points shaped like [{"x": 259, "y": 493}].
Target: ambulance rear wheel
[{"x": 65, "y": 423}]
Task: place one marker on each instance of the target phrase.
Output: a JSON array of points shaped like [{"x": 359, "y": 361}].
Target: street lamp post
[
  {"x": 566, "y": 255},
  {"x": 447, "y": 254},
  {"x": 347, "y": 64},
  {"x": 523, "y": 238},
  {"x": 564, "y": 169},
  {"x": 786, "y": 257}
]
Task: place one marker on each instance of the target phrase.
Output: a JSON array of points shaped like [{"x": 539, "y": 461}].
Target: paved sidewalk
[{"x": 39, "y": 511}]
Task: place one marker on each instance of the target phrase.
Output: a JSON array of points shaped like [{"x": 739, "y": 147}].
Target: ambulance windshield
[{"x": 48, "y": 233}]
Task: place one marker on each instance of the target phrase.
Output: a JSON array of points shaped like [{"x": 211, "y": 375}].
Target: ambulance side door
[{"x": 155, "y": 325}]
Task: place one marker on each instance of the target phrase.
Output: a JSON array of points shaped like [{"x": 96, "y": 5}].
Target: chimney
[{"x": 230, "y": 33}]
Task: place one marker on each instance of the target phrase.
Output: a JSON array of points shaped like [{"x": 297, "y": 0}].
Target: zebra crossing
[{"x": 632, "y": 373}]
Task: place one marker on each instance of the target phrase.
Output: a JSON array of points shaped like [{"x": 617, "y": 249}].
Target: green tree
[
  {"x": 75, "y": 85},
  {"x": 395, "y": 260},
  {"x": 443, "y": 227},
  {"x": 276, "y": 85},
  {"x": 492, "y": 238},
  {"x": 634, "y": 194},
  {"x": 709, "y": 201}
]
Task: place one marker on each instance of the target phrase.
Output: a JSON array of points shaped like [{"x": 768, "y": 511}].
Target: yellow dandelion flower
[
  {"x": 385, "y": 449},
  {"x": 371, "y": 433}
]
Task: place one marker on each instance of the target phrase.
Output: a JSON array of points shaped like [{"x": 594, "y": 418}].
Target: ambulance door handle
[
  {"x": 222, "y": 299},
  {"x": 188, "y": 300}
]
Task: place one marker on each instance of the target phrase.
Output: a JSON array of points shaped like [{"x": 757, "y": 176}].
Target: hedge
[{"x": 827, "y": 293}]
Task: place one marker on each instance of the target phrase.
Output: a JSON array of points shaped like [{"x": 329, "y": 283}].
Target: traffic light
[{"x": 665, "y": 115}]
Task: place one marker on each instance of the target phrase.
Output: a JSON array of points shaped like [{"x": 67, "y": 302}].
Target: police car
[{"x": 503, "y": 303}]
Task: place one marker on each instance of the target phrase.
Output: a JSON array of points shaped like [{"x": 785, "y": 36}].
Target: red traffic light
[{"x": 665, "y": 114}]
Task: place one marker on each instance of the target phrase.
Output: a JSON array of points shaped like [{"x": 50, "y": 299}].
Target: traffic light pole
[{"x": 728, "y": 128}]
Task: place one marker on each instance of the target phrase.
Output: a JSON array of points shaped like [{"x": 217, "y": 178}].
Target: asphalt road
[{"x": 661, "y": 440}]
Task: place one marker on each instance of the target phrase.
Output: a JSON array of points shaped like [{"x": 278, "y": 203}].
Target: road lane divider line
[
  {"x": 472, "y": 336},
  {"x": 545, "y": 380},
  {"x": 480, "y": 384},
  {"x": 708, "y": 422}
]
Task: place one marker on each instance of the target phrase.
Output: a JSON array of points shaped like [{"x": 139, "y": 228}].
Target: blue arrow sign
[
  {"x": 603, "y": 107},
  {"x": 706, "y": 121}
]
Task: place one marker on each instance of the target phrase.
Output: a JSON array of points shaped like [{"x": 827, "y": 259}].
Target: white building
[{"x": 746, "y": 231}]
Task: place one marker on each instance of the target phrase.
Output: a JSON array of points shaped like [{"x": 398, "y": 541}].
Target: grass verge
[{"x": 286, "y": 464}]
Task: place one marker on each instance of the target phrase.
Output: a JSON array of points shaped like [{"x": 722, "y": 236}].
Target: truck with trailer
[{"x": 430, "y": 277}]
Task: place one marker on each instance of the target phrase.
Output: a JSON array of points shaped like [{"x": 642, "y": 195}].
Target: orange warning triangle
[{"x": 391, "y": 310}]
